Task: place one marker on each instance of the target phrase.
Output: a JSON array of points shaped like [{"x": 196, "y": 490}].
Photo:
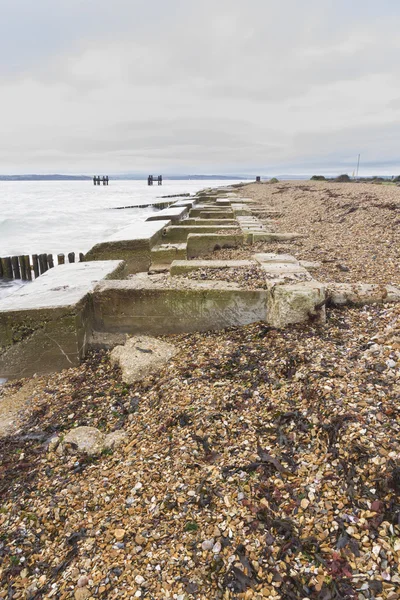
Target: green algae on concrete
[
  {"x": 296, "y": 303},
  {"x": 125, "y": 307},
  {"x": 131, "y": 244},
  {"x": 201, "y": 244},
  {"x": 179, "y": 233},
  {"x": 164, "y": 254},
  {"x": 44, "y": 326},
  {"x": 179, "y": 267}
]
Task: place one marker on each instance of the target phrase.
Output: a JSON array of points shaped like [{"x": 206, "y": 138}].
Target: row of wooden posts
[{"x": 20, "y": 267}]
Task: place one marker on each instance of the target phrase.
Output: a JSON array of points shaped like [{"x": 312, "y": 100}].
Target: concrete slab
[
  {"x": 208, "y": 222},
  {"x": 63, "y": 286},
  {"x": 164, "y": 254},
  {"x": 275, "y": 237},
  {"x": 179, "y": 233},
  {"x": 270, "y": 257},
  {"x": 178, "y": 267},
  {"x": 215, "y": 214},
  {"x": 201, "y": 244},
  {"x": 132, "y": 244},
  {"x": 139, "y": 307},
  {"x": 172, "y": 213},
  {"x": 189, "y": 203},
  {"x": 44, "y": 326}
]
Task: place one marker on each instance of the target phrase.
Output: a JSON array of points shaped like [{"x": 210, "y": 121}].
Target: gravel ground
[
  {"x": 259, "y": 464},
  {"x": 353, "y": 229}
]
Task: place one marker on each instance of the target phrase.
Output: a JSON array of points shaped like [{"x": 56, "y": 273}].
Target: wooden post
[
  {"x": 82, "y": 256},
  {"x": 50, "y": 261},
  {"x": 27, "y": 267},
  {"x": 61, "y": 259},
  {"x": 35, "y": 263},
  {"x": 15, "y": 266},
  {"x": 7, "y": 267},
  {"x": 258, "y": 179},
  {"x": 1, "y": 269},
  {"x": 22, "y": 267},
  {"x": 71, "y": 257},
  {"x": 43, "y": 263}
]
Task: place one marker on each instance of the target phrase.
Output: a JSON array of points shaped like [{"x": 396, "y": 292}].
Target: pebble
[{"x": 207, "y": 544}]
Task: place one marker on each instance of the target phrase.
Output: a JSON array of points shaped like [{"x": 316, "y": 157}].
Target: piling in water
[
  {"x": 61, "y": 259},
  {"x": 7, "y": 267},
  {"x": 28, "y": 268},
  {"x": 22, "y": 267},
  {"x": 15, "y": 266},
  {"x": 43, "y": 263},
  {"x": 71, "y": 257},
  {"x": 35, "y": 264},
  {"x": 50, "y": 261}
]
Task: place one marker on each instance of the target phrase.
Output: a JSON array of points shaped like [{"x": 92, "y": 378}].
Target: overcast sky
[{"x": 199, "y": 86}]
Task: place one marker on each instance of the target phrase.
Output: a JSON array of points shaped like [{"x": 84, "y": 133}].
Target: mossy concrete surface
[
  {"x": 296, "y": 303},
  {"x": 131, "y": 244},
  {"x": 125, "y": 307},
  {"x": 44, "y": 326},
  {"x": 164, "y": 254},
  {"x": 179, "y": 233},
  {"x": 179, "y": 267},
  {"x": 199, "y": 245}
]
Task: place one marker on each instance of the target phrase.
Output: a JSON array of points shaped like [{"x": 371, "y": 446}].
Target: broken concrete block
[
  {"x": 340, "y": 294},
  {"x": 296, "y": 303},
  {"x": 141, "y": 356},
  {"x": 88, "y": 440}
]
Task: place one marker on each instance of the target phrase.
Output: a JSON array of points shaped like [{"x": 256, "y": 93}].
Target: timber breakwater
[{"x": 158, "y": 277}]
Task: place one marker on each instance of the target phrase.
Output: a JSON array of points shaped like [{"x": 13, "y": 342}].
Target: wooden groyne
[
  {"x": 28, "y": 267},
  {"x": 157, "y": 205}
]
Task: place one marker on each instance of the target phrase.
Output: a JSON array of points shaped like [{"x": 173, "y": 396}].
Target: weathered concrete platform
[
  {"x": 179, "y": 233},
  {"x": 141, "y": 305},
  {"x": 172, "y": 213},
  {"x": 201, "y": 244},
  {"x": 44, "y": 326},
  {"x": 131, "y": 244},
  {"x": 179, "y": 267}
]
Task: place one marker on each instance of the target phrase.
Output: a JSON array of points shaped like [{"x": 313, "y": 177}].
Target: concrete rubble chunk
[
  {"x": 340, "y": 294},
  {"x": 90, "y": 441},
  {"x": 141, "y": 356},
  {"x": 296, "y": 303}
]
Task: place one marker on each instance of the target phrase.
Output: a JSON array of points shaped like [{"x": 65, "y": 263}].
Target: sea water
[{"x": 53, "y": 217}]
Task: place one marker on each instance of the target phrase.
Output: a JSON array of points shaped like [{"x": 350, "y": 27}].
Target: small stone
[
  {"x": 207, "y": 544},
  {"x": 343, "y": 268},
  {"x": 83, "y": 581},
  {"x": 82, "y": 593},
  {"x": 119, "y": 534},
  {"x": 139, "y": 579},
  {"x": 304, "y": 503},
  {"x": 217, "y": 548}
]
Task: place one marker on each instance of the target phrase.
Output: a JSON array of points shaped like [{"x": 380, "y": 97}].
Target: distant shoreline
[{"x": 57, "y": 177}]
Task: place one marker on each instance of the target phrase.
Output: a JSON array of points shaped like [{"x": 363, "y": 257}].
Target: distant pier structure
[
  {"x": 97, "y": 180},
  {"x": 151, "y": 179}
]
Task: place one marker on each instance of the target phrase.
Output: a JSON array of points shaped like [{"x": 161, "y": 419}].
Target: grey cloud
[{"x": 195, "y": 84}]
